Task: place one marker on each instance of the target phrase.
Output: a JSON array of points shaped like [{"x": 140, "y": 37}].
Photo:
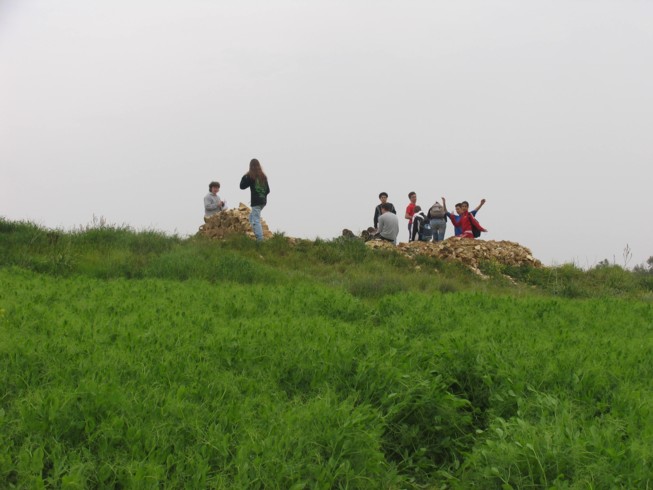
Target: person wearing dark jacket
[
  {"x": 383, "y": 197},
  {"x": 259, "y": 188},
  {"x": 421, "y": 226}
]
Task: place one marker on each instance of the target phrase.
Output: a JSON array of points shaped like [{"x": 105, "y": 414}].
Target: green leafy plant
[{"x": 146, "y": 361}]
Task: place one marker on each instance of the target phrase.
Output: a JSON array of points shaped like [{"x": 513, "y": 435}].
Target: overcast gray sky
[{"x": 127, "y": 109}]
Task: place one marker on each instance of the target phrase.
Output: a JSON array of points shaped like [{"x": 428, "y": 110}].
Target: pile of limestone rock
[
  {"x": 468, "y": 251},
  {"x": 465, "y": 250},
  {"x": 231, "y": 222}
]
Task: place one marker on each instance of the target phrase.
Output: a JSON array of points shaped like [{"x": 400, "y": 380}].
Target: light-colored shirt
[
  {"x": 389, "y": 226},
  {"x": 212, "y": 204}
]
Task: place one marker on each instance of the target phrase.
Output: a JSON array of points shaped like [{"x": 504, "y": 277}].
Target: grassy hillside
[{"x": 137, "y": 360}]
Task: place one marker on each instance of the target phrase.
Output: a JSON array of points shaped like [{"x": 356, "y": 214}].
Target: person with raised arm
[
  {"x": 465, "y": 221},
  {"x": 459, "y": 210}
]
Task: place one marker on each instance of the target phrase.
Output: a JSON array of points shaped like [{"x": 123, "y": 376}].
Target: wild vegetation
[{"x": 139, "y": 360}]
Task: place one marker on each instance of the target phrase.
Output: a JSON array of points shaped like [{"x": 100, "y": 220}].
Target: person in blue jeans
[
  {"x": 259, "y": 188},
  {"x": 438, "y": 216}
]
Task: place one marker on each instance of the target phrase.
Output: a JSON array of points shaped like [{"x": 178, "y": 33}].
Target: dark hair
[
  {"x": 387, "y": 206},
  {"x": 214, "y": 184},
  {"x": 417, "y": 209},
  {"x": 411, "y": 194},
  {"x": 256, "y": 172},
  {"x": 383, "y": 194},
  {"x": 465, "y": 203},
  {"x": 458, "y": 204}
]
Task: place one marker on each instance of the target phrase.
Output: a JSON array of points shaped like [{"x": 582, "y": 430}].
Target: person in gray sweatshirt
[
  {"x": 212, "y": 202},
  {"x": 388, "y": 228}
]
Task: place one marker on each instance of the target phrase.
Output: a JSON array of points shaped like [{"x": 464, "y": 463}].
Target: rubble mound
[
  {"x": 468, "y": 251},
  {"x": 231, "y": 222}
]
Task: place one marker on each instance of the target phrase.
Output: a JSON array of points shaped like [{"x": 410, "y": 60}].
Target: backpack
[
  {"x": 425, "y": 233},
  {"x": 436, "y": 211},
  {"x": 475, "y": 231}
]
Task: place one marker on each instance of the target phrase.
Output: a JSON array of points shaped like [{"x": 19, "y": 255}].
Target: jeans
[
  {"x": 255, "y": 221},
  {"x": 438, "y": 226}
]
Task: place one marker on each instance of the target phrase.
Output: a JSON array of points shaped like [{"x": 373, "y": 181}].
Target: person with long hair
[{"x": 259, "y": 187}]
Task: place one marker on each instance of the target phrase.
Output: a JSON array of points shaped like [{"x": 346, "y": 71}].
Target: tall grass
[
  {"x": 147, "y": 361},
  {"x": 110, "y": 251}
]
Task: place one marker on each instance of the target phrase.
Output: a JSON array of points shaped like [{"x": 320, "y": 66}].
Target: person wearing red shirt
[
  {"x": 464, "y": 221},
  {"x": 410, "y": 211},
  {"x": 459, "y": 209}
]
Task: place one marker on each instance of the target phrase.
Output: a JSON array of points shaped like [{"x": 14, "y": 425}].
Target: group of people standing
[
  {"x": 257, "y": 182},
  {"x": 429, "y": 226}
]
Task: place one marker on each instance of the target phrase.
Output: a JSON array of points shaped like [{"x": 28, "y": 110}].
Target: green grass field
[{"x": 137, "y": 360}]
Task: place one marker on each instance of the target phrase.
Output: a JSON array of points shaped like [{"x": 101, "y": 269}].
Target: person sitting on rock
[
  {"x": 383, "y": 197},
  {"x": 212, "y": 202},
  {"x": 388, "y": 228},
  {"x": 465, "y": 221}
]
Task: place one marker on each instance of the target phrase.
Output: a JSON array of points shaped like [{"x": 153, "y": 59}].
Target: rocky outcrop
[
  {"x": 231, "y": 222},
  {"x": 468, "y": 251},
  {"x": 465, "y": 250}
]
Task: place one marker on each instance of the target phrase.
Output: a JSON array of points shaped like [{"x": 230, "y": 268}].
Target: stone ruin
[
  {"x": 231, "y": 222},
  {"x": 470, "y": 252}
]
